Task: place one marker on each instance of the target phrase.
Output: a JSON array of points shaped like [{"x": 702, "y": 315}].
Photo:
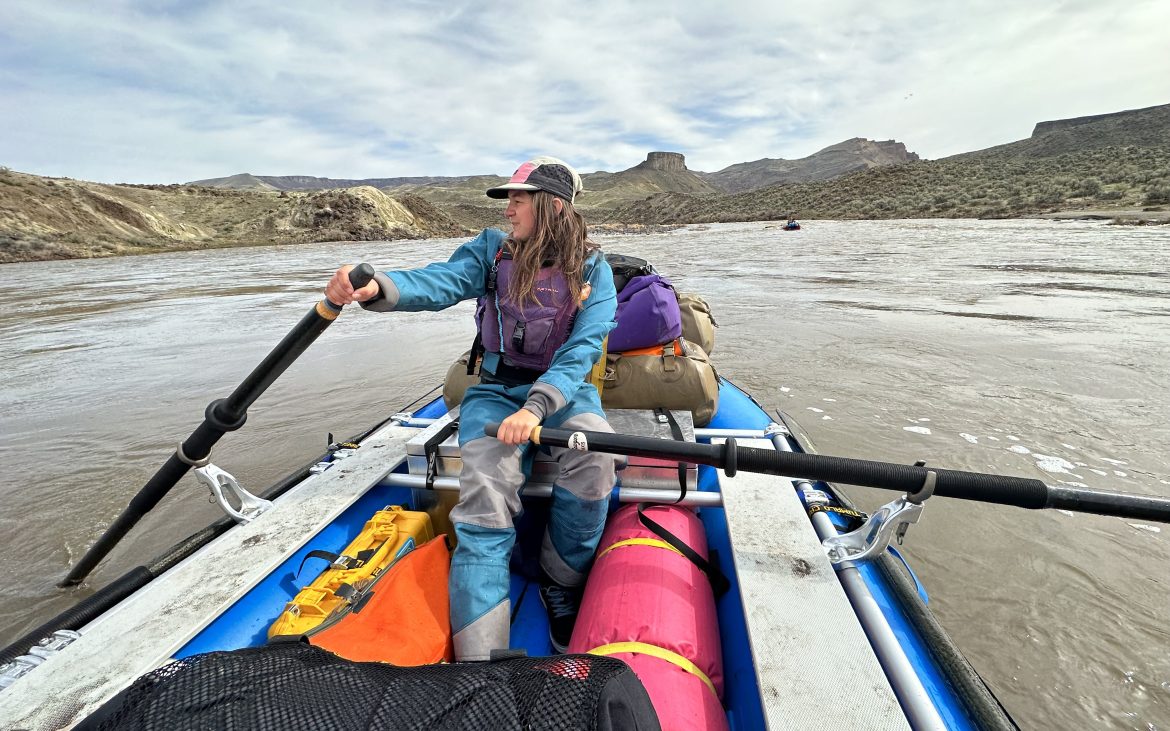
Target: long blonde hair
[{"x": 560, "y": 238}]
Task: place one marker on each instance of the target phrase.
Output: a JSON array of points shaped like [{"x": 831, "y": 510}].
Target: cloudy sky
[{"x": 178, "y": 90}]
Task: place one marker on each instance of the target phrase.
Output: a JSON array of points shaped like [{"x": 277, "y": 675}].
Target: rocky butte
[{"x": 665, "y": 161}]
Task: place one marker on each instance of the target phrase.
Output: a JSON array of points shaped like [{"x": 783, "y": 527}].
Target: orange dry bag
[{"x": 400, "y": 618}]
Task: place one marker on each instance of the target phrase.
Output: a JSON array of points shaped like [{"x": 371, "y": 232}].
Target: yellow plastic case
[{"x": 390, "y": 534}]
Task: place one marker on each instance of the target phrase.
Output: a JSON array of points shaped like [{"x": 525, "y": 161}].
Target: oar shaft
[
  {"x": 1121, "y": 505},
  {"x": 1017, "y": 491},
  {"x": 221, "y": 416},
  {"x": 274, "y": 364}
]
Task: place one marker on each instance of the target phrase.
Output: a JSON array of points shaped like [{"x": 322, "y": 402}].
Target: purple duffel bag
[{"x": 647, "y": 314}]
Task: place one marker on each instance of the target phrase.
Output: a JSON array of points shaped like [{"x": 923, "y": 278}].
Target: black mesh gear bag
[
  {"x": 296, "y": 686},
  {"x": 627, "y": 267}
]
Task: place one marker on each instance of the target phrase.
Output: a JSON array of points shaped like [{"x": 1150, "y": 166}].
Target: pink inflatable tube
[{"x": 648, "y": 605}]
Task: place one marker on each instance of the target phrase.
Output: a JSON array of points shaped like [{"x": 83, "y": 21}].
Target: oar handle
[
  {"x": 1005, "y": 490},
  {"x": 359, "y": 277}
]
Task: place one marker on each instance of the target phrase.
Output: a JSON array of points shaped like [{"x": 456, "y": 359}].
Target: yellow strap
[
  {"x": 640, "y": 542},
  {"x": 655, "y": 651}
]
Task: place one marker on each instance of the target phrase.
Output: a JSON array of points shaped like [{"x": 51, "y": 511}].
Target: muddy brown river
[{"x": 1031, "y": 348}]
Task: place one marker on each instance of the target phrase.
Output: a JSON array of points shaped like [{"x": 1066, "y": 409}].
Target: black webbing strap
[
  {"x": 719, "y": 582},
  {"x": 431, "y": 450},
  {"x": 340, "y": 560},
  {"x": 475, "y": 354},
  {"x": 665, "y": 417},
  {"x": 510, "y": 376},
  {"x": 489, "y": 286},
  {"x": 329, "y": 556}
]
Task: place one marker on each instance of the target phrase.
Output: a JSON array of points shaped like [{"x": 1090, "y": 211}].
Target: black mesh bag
[
  {"x": 626, "y": 268},
  {"x": 296, "y": 686}
]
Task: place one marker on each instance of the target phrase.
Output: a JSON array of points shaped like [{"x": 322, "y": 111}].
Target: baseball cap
[{"x": 542, "y": 173}]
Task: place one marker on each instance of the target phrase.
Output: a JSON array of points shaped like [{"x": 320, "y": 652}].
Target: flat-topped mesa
[
  {"x": 1135, "y": 119},
  {"x": 1043, "y": 128},
  {"x": 669, "y": 161}
]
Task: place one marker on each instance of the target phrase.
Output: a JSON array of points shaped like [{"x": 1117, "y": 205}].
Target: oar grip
[
  {"x": 492, "y": 428},
  {"x": 361, "y": 275}
]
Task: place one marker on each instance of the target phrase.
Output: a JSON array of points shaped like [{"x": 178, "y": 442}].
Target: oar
[
  {"x": 1018, "y": 491},
  {"x": 221, "y": 416}
]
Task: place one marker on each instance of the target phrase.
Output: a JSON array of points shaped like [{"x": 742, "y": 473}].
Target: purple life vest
[
  {"x": 531, "y": 331},
  {"x": 647, "y": 314}
]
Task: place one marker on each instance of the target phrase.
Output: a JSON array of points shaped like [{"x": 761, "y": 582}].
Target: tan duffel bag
[
  {"x": 675, "y": 376},
  {"x": 698, "y": 324},
  {"x": 457, "y": 381}
]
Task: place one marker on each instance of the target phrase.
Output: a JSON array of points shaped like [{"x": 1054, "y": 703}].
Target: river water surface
[{"x": 1031, "y": 348}]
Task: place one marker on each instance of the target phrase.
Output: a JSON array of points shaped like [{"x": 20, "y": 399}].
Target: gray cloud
[{"x": 138, "y": 92}]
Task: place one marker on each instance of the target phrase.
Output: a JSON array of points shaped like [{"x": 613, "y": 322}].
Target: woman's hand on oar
[
  {"x": 517, "y": 428},
  {"x": 352, "y": 284}
]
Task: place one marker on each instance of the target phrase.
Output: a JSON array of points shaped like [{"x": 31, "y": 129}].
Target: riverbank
[{"x": 1159, "y": 216}]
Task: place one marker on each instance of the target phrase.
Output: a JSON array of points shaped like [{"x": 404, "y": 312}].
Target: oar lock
[
  {"x": 22, "y": 665},
  {"x": 890, "y": 521},
  {"x": 775, "y": 428},
  {"x": 221, "y": 482}
]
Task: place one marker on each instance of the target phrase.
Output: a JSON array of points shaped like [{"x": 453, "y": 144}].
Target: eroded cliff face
[{"x": 59, "y": 218}]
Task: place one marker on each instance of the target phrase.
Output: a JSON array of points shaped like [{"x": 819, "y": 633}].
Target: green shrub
[
  {"x": 1087, "y": 188},
  {"x": 1048, "y": 197},
  {"x": 1158, "y": 193}
]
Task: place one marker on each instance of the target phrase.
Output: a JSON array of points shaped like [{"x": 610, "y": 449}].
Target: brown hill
[
  {"x": 844, "y": 157},
  {"x": 247, "y": 181},
  {"x": 660, "y": 172},
  {"x": 243, "y": 181},
  {"x": 60, "y": 218}
]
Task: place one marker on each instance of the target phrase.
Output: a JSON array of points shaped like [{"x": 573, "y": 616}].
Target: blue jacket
[{"x": 440, "y": 285}]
